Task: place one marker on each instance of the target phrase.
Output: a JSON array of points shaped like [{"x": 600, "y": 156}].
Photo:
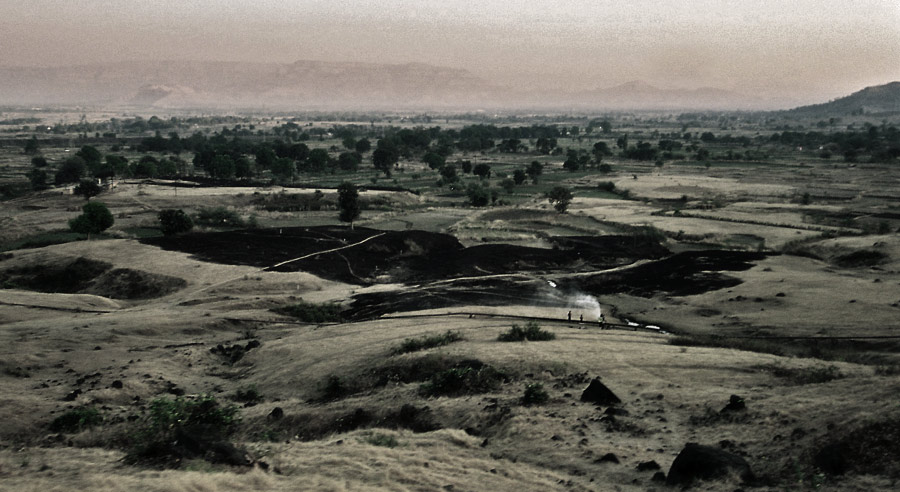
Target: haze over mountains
[{"x": 322, "y": 85}]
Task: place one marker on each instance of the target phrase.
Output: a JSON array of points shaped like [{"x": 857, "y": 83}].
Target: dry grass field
[{"x": 803, "y": 335}]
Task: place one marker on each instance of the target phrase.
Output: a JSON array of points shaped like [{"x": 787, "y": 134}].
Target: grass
[
  {"x": 805, "y": 375},
  {"x": 531, "y": 332},
  {"x": 858, "y": 352},
  {"x": 426, "y": 342},
  {"x": 48, "y": 239},
  {"x": 312, "y": 313}
]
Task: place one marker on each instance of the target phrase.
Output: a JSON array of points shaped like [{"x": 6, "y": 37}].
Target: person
[
  {"x": 581, "y": 318},
  {"x": 601, "y": 321},
  {"x": 570, "y": 315}
]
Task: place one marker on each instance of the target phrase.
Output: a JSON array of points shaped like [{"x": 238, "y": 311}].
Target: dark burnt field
[
  {"x": 449, "y": 274},
  {"x": 403, "y": 256}
]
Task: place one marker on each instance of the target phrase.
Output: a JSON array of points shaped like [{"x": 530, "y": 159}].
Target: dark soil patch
[
  {"x": 688, "y": 273},
  {"x": 85, "y": 276},
  {"x": 869, "y": 450},
  {"x": 862, "y": 258},
  {"x": 402, "y": 256}
]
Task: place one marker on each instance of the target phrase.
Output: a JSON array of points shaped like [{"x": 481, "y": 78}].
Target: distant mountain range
[
  {"x": 317, "y": 85},
  {"x": 878, "y": 99}
]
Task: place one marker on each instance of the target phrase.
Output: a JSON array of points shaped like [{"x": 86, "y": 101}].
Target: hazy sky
[{"x": 799, "y": 47}]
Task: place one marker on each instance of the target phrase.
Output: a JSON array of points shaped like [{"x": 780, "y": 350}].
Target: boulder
[
  {"x": 735, "y": 403},
  {"x": 598, "y": 394},
  {"x": 705, "y": 462}
]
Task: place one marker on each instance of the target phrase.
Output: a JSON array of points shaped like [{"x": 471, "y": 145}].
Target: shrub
[
  {"x": 183, "y": 427},
  {"x": 535, "y": 394},
  {"x": 76, "y": 420},
  {"x": 249, "y": 395},
  {"x": 334, "y": 388},
  {"x": 173, "y": 222},
  {"x": 383, "y": 440},
  {"x": 531, "y": 332},
  {"x": 219, "y": 217},
  {"x": 463, "y": 380},
  {"x": 312, "y": 313},
  {"x": 426, "y": 342}
]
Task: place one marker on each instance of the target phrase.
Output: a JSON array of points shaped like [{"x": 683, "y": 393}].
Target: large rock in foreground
[
  {"x": 598, "y": 394},
  {"x": 705, "y": 462}
]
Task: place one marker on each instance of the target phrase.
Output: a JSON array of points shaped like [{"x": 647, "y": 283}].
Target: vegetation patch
[
  {"x": 535, "y": 394},
  {"x": 805, "y": 375},
  {"x": 312, "y": 313},
  {"x": 76, "y": 420},
  {"x": 380, "y": 439},
  {"x": 184, "y": 428},
  {"x": 531, "y": 332},
  {"x": 862, "y": 258},
  {"x": 463, "y": 380},
  {"x": 219, "y": 217},
  {"x": 426, "y": 342},
  {"x": 856, "y": 351}
]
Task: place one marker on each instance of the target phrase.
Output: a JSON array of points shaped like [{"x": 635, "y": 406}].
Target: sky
[{"x": 802, "y": 48}]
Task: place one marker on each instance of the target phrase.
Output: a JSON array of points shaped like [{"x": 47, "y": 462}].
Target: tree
[
  {"x": 384, "y": 160},
  {"x": 71, "y": 171},
  {"x": 283, "y": 168},
  {"x": 349, "y": 143},
  {"x": 448, "y": 174},
  {"x": 31, "y": 146},
  {"x": 519, "y": 176},
  {"x": 534, "y": 171},
  {"x": 88, "y": 188},
  {"x": 560, "y": 197},
  {"x": 363, "y": 145},
  {"x": 479, "y": 196},
  {"x": 146, "y": 167},
  {"x": 95, "y": 218},
  {"x": 38, "y": 178},
  {"x": 348, "y": 202},
  {"x": 434, "y": 160},
  {"x": 173, "y": 222},
  {"x": 39, "y": 161},
  {"x": 482, "y": 170},
  {"x": 349, "y": 161},
  {"x": 509, "y": 185}
]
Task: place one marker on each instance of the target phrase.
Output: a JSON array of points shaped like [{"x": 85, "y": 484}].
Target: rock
[
  {"x": 72, "y": 396},
  {"x": 117, "y": 384},
  {"x": 735, "y": 403},
  {"x": 607, "y": 458},
  {"x": 648, "y": 465},
  {"x": 277, "y": 413},
  {"x": 598, "y": 394},
  {"x": 832, "y": 459},
  {"x": 616, "y": 411},
  {"x": 705, "y": 462},
  {"x": 659, "y": 477}
]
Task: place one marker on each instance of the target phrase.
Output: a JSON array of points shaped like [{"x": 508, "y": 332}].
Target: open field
[{"x": 776, "y": 280}]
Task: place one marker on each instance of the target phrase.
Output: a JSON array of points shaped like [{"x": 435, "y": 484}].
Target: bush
[
  {"x": 426, "y": 342},
  {"x": 312, "y": 313},
  {"x": 249, "y": 395},
  {"x": 531, "y": 332},
  {"x": 183, "y": 428},
  {"x": 535, "y": 394},
  {"x": 219, "y": 217},
  {"x": 463, "y": 380},
  {"x": 76, "y": 420},
  {"x": 384, "y": 440},
  {"x": 95, "y": 218},
  {"x": 173, "y": 222}
]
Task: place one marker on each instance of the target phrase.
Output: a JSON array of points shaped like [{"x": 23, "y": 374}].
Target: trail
[{"x": 268, "y": 268}]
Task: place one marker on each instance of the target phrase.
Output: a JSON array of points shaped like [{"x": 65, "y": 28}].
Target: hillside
[{"x": 878, "y": 99}]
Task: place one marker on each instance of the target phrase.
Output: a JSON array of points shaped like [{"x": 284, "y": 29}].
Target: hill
[{"x": 878, "y": 99}]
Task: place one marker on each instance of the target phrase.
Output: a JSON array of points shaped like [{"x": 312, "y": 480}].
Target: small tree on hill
[
  {"x": 173, "y": 222},
  {"x": 348, "y": 202},
  {"x": 560, "y": 197},
  {"x": 95, "y": 219},
  {"x": 88, "y": 188}
]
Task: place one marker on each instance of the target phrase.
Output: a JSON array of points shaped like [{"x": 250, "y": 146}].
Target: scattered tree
[
  {"x": 519, "y": 176},
  {"x": 479, "y": 196},
  {"x": 534, "y": 171},
  {"x": 348, "y": 202},
  {"x": 38, "y": 179},
  {"x": 560, "y": 197},
  {"x": 39, "y": 161},
  {"x": 482, "y": 170},
  {"x": 173, "y": 222},
  {"x": 88, "y": 188},
  {"x": 95, "y": 218},
  {"x": 71, "y": 171},
  {"x": 31, "y": 146}
]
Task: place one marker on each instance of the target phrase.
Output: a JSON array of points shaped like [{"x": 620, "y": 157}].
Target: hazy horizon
[{"x": 804, "y": 50}]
